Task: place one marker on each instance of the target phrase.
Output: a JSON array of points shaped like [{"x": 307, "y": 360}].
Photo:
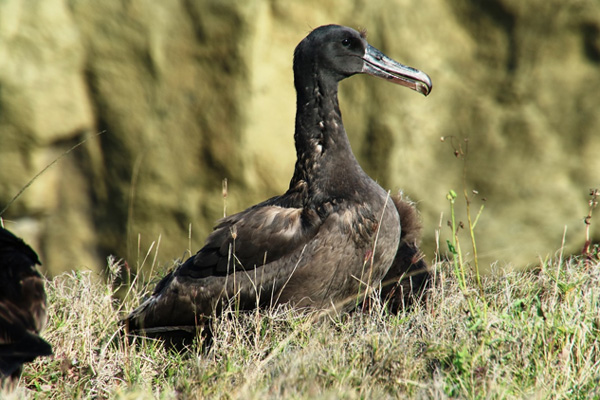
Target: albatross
[
  {"x": 325, "y": 242},
  {"x": 22, "y": 308}
]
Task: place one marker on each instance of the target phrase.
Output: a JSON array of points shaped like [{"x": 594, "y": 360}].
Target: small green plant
[
  {"x": 454, "y": 246},
  {"x": 590, "y": 251},
  {"x": 461, "y": 152}
]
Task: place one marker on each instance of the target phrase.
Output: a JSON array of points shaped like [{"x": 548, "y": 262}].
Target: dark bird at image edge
[
  {"x": 22, "y": 308},
  {"x": 333, "y": 234}
]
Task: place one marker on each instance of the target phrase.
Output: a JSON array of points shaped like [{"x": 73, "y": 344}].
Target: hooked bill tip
[{"x": 423, "y": 88}]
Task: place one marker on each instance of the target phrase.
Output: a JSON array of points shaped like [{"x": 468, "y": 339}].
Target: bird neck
[{"x": 325, "y": 161}]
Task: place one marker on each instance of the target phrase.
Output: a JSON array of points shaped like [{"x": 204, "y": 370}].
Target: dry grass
[{"x": 533, "y": 335}]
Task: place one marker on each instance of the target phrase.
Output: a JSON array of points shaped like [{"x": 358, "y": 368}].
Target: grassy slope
[{"x": 534, "y": 336}]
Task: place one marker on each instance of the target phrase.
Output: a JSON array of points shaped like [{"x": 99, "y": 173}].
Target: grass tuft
[{"x": 540, "y": 338}]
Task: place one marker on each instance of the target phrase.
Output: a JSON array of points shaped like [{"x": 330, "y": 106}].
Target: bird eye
[{"x": 346, "y": 42}]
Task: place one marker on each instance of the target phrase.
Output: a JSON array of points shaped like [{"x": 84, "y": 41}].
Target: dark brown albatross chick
[
  {"x": 22, "y": 308},
  {"x": 326, "y": 241}
]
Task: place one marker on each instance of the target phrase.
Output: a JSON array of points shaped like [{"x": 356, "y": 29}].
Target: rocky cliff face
[{"x": 187, "y": 93}]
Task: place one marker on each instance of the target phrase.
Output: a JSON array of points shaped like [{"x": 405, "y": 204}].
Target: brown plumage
[
  {"x": 22, "y": 308},
  {"x": 409, "y": 274},
  {"x": 333, "y": 234}
]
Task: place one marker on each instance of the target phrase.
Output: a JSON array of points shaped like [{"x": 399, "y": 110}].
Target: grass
[
  {"x": 507, "y": 335},
  {"x": 538, "y": 338}
]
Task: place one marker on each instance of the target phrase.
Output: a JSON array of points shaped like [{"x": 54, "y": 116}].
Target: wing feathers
[{"x": 253, "y": 238}]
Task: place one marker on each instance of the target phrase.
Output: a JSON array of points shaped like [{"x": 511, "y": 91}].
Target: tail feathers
[
  {"x": 409, "y": 274},
  {"x": 169, "y": 314}
]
